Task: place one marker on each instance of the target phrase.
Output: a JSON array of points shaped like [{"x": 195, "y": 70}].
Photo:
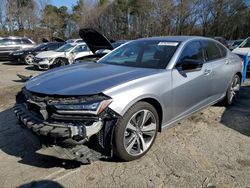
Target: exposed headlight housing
[{"x": 95, "y": 107}]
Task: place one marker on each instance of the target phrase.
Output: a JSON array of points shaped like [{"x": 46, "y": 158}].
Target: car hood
[
  {"x": 50, "y": 54},
  {"x": 84, "y": 79},
  {"x": 95, "y": 40}
]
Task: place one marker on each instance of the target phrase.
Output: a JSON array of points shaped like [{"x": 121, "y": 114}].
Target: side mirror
[{"x": 191, "y": 65}]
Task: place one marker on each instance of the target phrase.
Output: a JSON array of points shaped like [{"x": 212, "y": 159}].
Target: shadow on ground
[
  {"x": 42, "y": 183},
  {"x": 237, "y": 117},
  {"x": 31, "y": 67},
  {"x": 22, "y": 143}
]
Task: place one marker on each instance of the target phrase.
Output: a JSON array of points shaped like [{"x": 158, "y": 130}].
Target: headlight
[
  {"x": 89, "y": 107},
  {"x": 18, "y": 53}
]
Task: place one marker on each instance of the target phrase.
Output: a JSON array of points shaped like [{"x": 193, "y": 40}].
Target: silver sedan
[{"x": 135, "y": 91}]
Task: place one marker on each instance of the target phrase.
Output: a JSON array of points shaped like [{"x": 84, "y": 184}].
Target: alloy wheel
[
  {"x": 140, "y": 132},
  {"x": 29, "y": 59},
  {"x": 235, "y": 88}
]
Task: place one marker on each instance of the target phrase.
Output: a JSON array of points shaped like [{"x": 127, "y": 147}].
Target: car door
[
  {"x": 221, "y": 70},
  {"x": 190, "y": 88}
]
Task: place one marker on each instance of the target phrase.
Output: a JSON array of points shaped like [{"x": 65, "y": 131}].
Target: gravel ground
[{"x": 209, "y": 149}]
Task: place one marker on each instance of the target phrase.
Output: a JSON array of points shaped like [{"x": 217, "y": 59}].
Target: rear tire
[
  {"x": 232, "y": 91},
  {"x": 136, "y": 131}
]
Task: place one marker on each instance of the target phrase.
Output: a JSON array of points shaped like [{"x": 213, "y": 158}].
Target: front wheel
[
  {"x": 232, "y": 91},
  {"x": 29, "y": 59},
  {"x": 136, "y": 131}
]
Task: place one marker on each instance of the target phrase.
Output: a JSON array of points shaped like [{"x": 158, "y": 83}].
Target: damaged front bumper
[
  {"x": 38, "y": 113},
  {"x": 55, "y": 129}
]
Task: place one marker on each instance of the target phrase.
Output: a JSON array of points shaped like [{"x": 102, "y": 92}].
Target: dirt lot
[{"x": 210, "y": 149}]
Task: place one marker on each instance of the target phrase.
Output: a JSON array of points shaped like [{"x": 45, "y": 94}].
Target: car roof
[
  {"x": 14, "y": 37},
  {"x": 174, "y": 38},
  {"x": 76, "y": 44}
]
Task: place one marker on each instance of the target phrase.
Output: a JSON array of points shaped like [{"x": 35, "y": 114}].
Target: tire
[
  {"x": 132, "y": 137},
  {"x": 28, "y": 59},
  {"x": 59, "y": 62},
  {"x": 232, "y": 91}
]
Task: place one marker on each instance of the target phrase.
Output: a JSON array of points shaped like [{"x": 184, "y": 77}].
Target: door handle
[{"x": 207, "y": 71}]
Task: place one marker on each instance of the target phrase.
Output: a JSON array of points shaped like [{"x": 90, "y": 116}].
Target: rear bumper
[{"x": 55, "y": 129}]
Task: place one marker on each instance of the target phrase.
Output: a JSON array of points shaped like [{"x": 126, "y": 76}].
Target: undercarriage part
[
  {"x": 80, "y": 153},
  {"x": 24, "y": 78}
]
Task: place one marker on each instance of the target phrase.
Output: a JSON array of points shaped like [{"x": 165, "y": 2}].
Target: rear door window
[
  {"x": 223, "y": 50},
  {"x": 212, "y": 50},
  {"x": 192, "y": 52}
]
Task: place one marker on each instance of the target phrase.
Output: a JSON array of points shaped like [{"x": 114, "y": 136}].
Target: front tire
[
  {"x": 232, "y": 91},
  {"x": 136, "y": 131},
  {"x": 28, "y": 59}
]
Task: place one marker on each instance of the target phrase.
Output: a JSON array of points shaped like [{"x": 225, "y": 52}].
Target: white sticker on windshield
[{"x": 168, "y": 43}]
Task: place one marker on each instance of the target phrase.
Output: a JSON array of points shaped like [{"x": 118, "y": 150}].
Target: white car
[
  {"x": 74, "y": 41},
  {"x": 243, "y": 48},
  {"x": 66, "y": 54}
]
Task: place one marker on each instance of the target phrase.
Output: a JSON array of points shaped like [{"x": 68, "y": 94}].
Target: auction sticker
[{"x": 168, "y": 43}]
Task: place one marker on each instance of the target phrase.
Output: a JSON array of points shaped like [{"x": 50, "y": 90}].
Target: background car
[
  {"x": 98, "y": 43},
  {"x": 74, "y": 41},
  {"x": 120, "y": 103},
  {"x": 234, "y": 44},
  {"x": 26, "y": 55},
  {"x": 222, "y": 40},
  {"x": 11, "y": 44},
  {"x": 61, "y": 56},
  {"x": 243, "y": 48}
]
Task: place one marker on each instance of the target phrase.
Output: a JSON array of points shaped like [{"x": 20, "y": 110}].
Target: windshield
[
  {"x": 245, "y": 44},
  {"x": 145, "y": 54},
  {"x": 237, "y": 43},
  {"x": 40, "y": 46},
  {"x": 65, "y": 48}
]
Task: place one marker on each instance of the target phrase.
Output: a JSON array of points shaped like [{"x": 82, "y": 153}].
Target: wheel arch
[
  {"x": 240, "y": 75},
  {"x": 156, "y": 104}
]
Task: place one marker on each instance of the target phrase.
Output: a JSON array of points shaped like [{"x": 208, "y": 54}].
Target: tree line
[{"x": 126, "y": 19}]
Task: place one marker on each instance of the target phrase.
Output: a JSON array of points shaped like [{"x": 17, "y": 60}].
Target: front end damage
[{"x": 83, "y": 125}]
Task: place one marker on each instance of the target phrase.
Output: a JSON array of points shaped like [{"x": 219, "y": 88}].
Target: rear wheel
[
  {"x": 136, "y": 131},
  {"x": 29, "y": 59},
  {"x": 232, "y": 91}
]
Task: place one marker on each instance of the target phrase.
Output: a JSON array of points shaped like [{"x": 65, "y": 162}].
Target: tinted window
[
  {"x": 17, "y": 41},
  {"x": 52, "y": 46},
  {"x": 6, "y": 41},
  {"x": 223, "y": 50},
  {"x": 26, "y": 41},
  {"x": 65, "y": 48},
  {"x": 212, "y": 50},
  {"x": 192, "y": 52},
  {"x": 146, "y": 54}
]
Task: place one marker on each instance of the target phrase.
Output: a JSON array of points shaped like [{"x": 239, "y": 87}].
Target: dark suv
[{"x": 10, "y": 44}]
